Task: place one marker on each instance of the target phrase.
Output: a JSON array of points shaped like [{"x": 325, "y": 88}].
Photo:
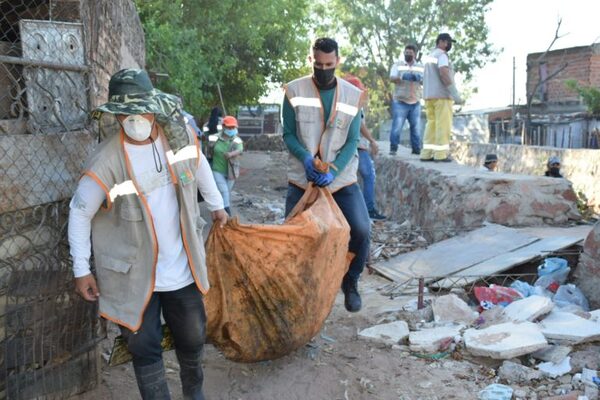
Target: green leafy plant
[{"x": 589, "y": 94}]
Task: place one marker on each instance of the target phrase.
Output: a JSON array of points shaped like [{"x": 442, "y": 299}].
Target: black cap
[
  {"x": 490, "y": 158},
  {"x": 444, "y": 36}
]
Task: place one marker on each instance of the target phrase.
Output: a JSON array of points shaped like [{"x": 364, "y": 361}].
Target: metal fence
[{"x": 48, "y": 335}]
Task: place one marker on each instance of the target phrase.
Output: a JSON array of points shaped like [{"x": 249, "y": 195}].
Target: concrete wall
[
  {"x": 588, "y": 270},
  {"x": 580, "y": 166},
  {"x": 446, "y": 198}
]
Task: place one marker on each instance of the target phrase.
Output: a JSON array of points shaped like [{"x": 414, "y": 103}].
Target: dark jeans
[
  {"x": 366, "y": 169},
  {"x": 183, "y": 311},
  {"x": 400, "y": 113},
  {"x": 350, "y": 200}
]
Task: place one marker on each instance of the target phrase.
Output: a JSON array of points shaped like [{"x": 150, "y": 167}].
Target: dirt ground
[{"x": 336, "y": 364}]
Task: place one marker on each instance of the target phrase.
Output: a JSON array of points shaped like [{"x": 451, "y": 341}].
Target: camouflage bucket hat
[{"x": 130, "y": 92}]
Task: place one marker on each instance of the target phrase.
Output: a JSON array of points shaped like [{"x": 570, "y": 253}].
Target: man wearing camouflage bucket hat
[{"x": 137, "y": 200}]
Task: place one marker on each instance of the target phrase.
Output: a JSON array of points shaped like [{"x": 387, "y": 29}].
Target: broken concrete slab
[
  {"x": 565, "y": 327},
  {"x": 505, "y": 341},
  {"x": 391, "y": 333},
  {"x": 429, "y": 340},
  {"x": 586, "y": 358},
  {"x": 552, "y": 353},
  {"x": 451, "y": 308},
  {"x": 554, "y": 370},
  {"x": 528, "y": 309},
  {"x": 595, "y": 315},
  {"x": 512, "y": 373},
  {"x": 496, "y": 391}
]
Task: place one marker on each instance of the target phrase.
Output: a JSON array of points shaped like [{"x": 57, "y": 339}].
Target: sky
[{"x": 519, "y": 27}]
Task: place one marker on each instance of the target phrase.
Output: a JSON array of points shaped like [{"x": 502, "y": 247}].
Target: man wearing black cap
[
  {"x": 439, "y": 93},
  {"x": 490, "y": 164}
]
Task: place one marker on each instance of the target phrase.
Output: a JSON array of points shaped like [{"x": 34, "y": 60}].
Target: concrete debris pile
[
  {"x": 389, "y": 239},
  {"x": 544, "y": 334}
]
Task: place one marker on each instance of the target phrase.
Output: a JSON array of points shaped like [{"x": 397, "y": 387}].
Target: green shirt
[
  {"x": 294, "y": 145},
  {"x": 219, "y": 162}
]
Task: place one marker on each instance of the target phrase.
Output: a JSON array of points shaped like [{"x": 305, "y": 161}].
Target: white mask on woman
[{"x": 137, "y": 127}]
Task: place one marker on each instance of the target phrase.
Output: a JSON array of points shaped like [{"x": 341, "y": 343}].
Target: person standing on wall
[
  {"x": 321, "y": 119},
  {"x": 407, "y": 76},
  {"x": 440, "y": 93}
]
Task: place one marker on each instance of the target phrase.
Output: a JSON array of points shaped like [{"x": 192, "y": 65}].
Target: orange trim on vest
[
  {"x": 155, "y": 242},
  {"x": 104, "y": 188}
]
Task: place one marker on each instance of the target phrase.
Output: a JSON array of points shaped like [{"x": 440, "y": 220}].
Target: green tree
[
  {"x": 589, "y": 94},
  {"x": 377, "y": 31},
  {"x": 242, "y": 46}
]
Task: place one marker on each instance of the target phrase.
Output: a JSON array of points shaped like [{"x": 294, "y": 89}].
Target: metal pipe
[
  {"x": 43, "y": 64},
  {"x": 420, "y": 302}
]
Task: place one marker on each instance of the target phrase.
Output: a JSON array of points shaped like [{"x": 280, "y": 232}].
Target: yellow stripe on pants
[{"x": 436, "y": 141}]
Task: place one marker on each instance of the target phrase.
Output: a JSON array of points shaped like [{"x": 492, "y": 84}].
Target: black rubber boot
[
  {"x": 228, "y": 211},
  {"x": 191, "y": 375},
  {"x": 152, "y": 382},
  {"x": 352, "y": 299}
]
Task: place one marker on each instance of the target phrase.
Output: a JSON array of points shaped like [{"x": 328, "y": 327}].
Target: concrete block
[
  {"x": 552, "y": 353},
  {"x": 505, "y": 341},
  {"x": 512, "y": 373},
  {"x": 429, "y": 340},
  {"x": 391, "y": 333},
  {"x": 565, "y": 327},
  {"x": 554, "y": 370},
  {"x": 451, "y": 308},
  {"x": 595, "y": 315},
  {"x": 528, "y": 309}
]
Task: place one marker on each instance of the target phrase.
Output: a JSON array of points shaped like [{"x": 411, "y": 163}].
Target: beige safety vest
[
  {"x": 320, "y": 137},
  {"x": 123, "y": 236},
  {"x": 405, "y": 90},
  {"x": 433, "y": 87}
]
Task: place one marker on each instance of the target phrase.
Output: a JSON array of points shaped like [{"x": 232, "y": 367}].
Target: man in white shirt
[{"x": 137, "y": 201}]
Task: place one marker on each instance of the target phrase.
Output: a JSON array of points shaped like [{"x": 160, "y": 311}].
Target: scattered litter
[
  {"x": 524, "y": 288},
  {"x": 552, "y": 353},
  {"x": 528, "y": 309},
  {"x": 496, "y": 294},
  {"x": 430, "y": 340},
  {"x": 327, "y": 338},
  {"x": 493, "y": 316},
  {"x": 570, "y": 295},
  {"x": 589, "y": 376},
  {"x": 496, "y": 391},
  {"x": 505, "y": 341},
  {"x": 451, "y": 308},
  {"x": 552, "y": 273},
  {"x": 566, "y": 327},
  {"x": 512, "y": 373},
  {"x": 554, "y": 370},
  {"x": 391, "y": 333}
]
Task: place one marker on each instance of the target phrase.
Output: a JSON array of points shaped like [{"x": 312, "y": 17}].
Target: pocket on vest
[
  {"x": 304, "y": 116},
  {"x": 113, "y": 277}
]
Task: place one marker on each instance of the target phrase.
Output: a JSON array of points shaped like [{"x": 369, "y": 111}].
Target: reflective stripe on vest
[
  {"x": 305, "y": 101},
  {"x": 436, "y": 147},
  {"x": 183, "y": 154},
  {"x": 122, "y": 189}
]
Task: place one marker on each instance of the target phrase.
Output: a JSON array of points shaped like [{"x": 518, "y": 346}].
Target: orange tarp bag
[{"x": 273, "y": 286}]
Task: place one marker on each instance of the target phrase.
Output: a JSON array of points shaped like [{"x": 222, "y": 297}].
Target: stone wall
[
  {"x": 580, "y": 166},
  {"x": 588, "y": 270},
  {"x": 445, "y": 198}
]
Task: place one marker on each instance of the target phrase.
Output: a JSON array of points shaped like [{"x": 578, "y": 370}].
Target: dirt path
[{"x": 336, "y": 364}]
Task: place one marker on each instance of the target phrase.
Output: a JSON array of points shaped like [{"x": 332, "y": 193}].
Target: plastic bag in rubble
[
  {"x": 552, "y": 273},
  {"x": 496, "y": 391},
  {"x": 495, "y": 294},
  {"x": 273, "y": 286},
  {"x": 523, "y": 287},
  {"x": 569, "y": 295}
]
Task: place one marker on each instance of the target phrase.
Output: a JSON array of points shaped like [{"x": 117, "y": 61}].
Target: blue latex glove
[
  {"x": 418, "y": 77},
  {"x": 324, "y": 179},
  {"x": 408, "y": 76},
  {"x": 309, "y": 169}
]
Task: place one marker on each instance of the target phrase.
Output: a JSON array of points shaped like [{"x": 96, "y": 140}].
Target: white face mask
[{"x": 137, "y": 127}]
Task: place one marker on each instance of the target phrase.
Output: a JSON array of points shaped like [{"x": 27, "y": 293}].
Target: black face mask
[
  {"x": 555, "y": 171},
  {"x": 408, "y": 58},
  {"x": 323, "y": 76},
  {"x": 448, "y": 47}
]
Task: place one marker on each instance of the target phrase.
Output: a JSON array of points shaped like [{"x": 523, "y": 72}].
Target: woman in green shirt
[{"x": 224, "y": 151}]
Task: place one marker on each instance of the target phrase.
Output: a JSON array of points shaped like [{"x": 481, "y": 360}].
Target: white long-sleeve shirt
[{"x": 172, "y": 271}]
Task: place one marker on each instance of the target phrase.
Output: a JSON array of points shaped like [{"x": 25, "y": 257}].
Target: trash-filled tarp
[{"x": 273, "y": 286}]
